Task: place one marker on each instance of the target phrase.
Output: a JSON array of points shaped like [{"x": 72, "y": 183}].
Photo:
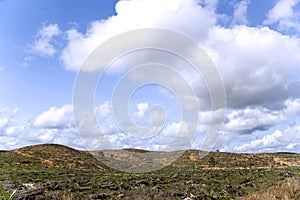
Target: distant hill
[
  {"x": 223, "y": 160},
  {"x": 204, "y": 160},
  {"x": 59, "y": 156}
]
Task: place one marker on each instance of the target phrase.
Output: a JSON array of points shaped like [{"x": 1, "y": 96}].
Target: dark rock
[
  {"x": 48, "y": 185},
  {"x": 177, "y": 194},
  {"x": 99, "y": 196},
  {"x": 30, "y": 195},
  {"x": 157, "y": 188},
  {"x": 143, "y": 182}
]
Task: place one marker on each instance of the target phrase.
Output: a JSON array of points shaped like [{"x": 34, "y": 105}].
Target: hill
[
  {"x": 53, "y": 156},
  {"x": 54, "y": 171},
  {"x": 135, "y": 159}
]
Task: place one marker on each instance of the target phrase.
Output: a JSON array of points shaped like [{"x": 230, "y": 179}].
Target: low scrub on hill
[
  {"x": 288, "y": 190},
  {"x": 59, "y": 172}
]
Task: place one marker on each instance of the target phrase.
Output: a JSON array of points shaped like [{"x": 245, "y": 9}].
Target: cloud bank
[{"x": 259, "y": 64}]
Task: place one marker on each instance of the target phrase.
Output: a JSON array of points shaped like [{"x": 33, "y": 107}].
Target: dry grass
[
  {"x": 288, "y": 190},
  {"x": 68, "y": 196}
]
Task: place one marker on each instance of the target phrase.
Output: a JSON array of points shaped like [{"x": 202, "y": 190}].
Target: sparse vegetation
[
  {"x": 58, "y": 172},
  {"x": 5, "y": 195},
  {"x": 287, "y": 190}
]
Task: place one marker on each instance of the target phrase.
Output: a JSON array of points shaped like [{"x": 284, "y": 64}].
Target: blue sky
[{"x": 254, "y": 44}]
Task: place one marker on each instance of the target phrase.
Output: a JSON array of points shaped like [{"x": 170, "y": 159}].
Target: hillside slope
[
  {"x": 196, "y": 159},
  {"x": 52, "y": 156},
  {"x": 54, "y": 171}
]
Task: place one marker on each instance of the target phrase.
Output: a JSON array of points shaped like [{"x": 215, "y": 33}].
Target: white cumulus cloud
[
  {"x": 43, "y": 43},
  {"x": 252, "y": 119},
  {"x": 287, "y": 140},
  {"x": 253, "y": 64},
  {"x": 240, "y": 12},
  {"x": 259, "y": 118},
  {"x": 6, "y": 116},
  {"x": 284, "y": 14},
  {"x": 185, "y": 16},
  {"x": 142, "y": 108},
  {"x": 252, "y": 61},
  {"x": 55, "y": 118},
  {"x": 268, "y": 141},
  {"x": 3, "y": 122},
  {"x": 104, "y": 109}
]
